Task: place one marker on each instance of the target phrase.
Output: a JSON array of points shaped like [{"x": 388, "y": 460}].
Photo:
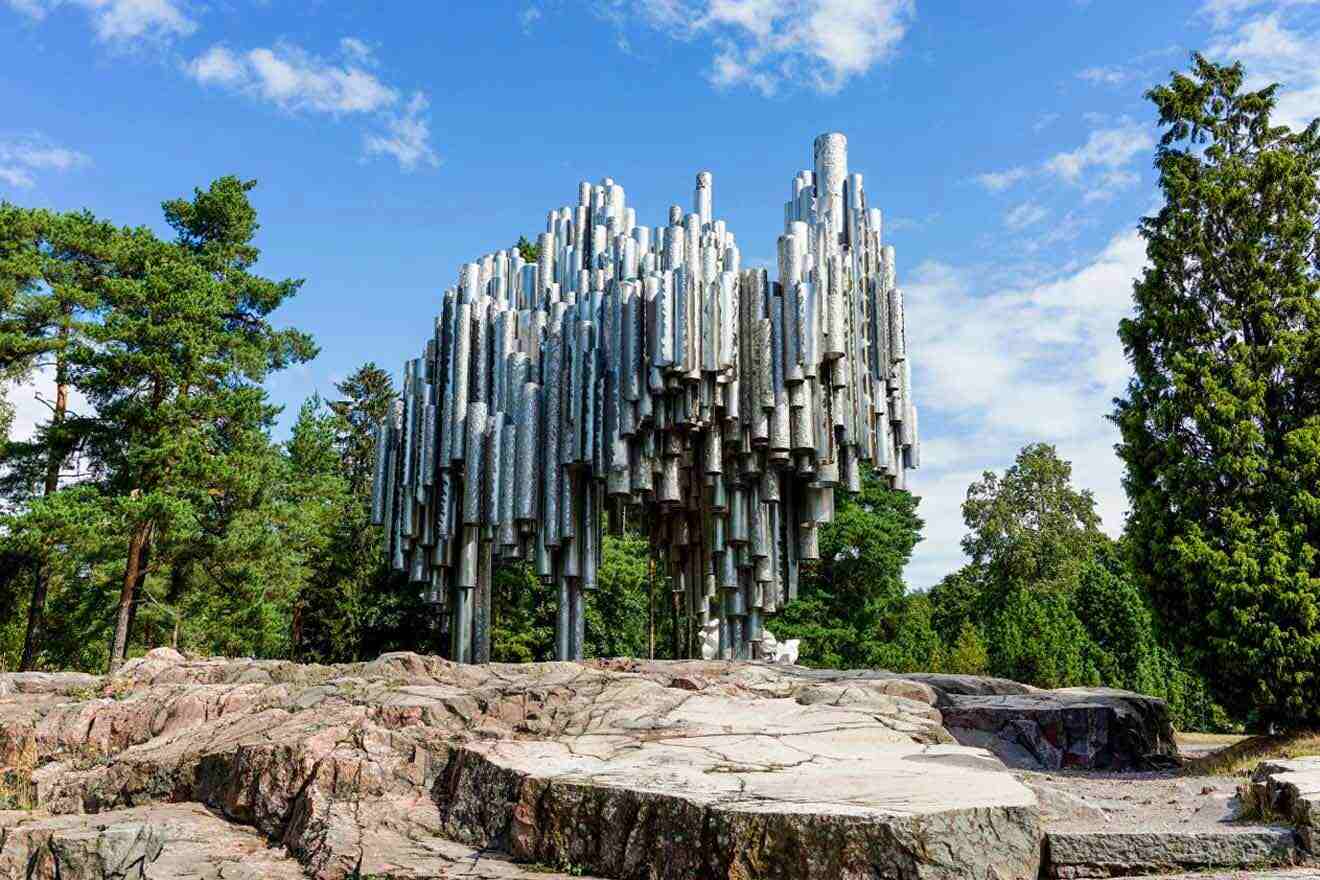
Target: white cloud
[
  {"x": 30, "y": 399},
  {"x": 1109, "y": 184},
  {"x": 121, "y": 21},
  {"x": 1273, "y": 51},
  {"x": 998, "y": 181},
  {"x": 407, "y": 137},
  {"x": 357, "y": 50},
  {"x": 22, "y": 156},
  {"x": 1024, "y": 215},
  {"x": 1106, "y": 148},
  {"x": 1110, "y": 76},
  {"x": 765, "y": 43},
  {"x": 998, "y": 368},
  {"x": 16, "y": 177},
  {"x": 295, "y": 80},
  {"x": 1044, "y": 122},
  {"x": 1225, "y": 12},
  {"x": 218, "y": 66}
]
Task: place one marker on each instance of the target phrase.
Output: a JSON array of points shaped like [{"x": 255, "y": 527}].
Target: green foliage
[
  {"x": 1048, "y": 599},
  {"x": 969, "y": 655},
  {"x": 905, "y": 639},
  {"x": 859, "y": 579},
  {"x": 1036, "y": 638},
  {"x": 617, "y": 612},
  {"x": 523, "y": 619},
  {"x": 1220, "y": 422},
  {"x": 530, "y": 252},
  {"x": 1030, "y": 525}
]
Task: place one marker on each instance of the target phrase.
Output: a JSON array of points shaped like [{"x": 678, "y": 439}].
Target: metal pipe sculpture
[{"x": 638, "y": 368}]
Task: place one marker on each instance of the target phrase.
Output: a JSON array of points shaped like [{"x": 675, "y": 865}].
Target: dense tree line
[{"x": 160, "y": 510}]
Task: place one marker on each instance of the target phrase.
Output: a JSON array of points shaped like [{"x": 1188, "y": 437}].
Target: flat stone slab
[
  {"x": 1070, "y": 854},
  {"x": 398, "y": 767},
  {"x": 175, "y": 841},
  {"x": 1291, "y": 790},
  {"x": 1283, "y": 874},
  {"x": 143, "y": 843}
]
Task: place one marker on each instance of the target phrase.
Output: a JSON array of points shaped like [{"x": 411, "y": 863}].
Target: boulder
[{"x": 1072, "y": 728}]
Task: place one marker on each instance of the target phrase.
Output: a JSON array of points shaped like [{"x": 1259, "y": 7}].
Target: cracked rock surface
[{"x": 411, "y": 767}]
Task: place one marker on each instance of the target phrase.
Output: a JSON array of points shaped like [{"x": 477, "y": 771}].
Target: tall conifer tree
[{"x": 1221, "y": 419}]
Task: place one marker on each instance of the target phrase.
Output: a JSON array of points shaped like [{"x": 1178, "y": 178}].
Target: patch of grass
[
  {"x": 1255, "y": 807},
  {"x": 17, "y": 791},
  {"x": 1241, "y": 757},
  {"x": 118, "y": 689}
]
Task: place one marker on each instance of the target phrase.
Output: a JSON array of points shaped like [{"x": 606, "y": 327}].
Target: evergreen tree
[
  {"x": 1221, "y": 420},
  {"x": 52, "y": 268},
  {"x": 173, "y": 368},
  {"x": 969, "y": 655}
]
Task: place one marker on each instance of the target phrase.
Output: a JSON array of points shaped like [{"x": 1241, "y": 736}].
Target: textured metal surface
[{"x": 641, "y": 374}]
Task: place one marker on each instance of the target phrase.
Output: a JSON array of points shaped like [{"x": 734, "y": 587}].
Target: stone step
[
  {"x": 1120, "y": 853},
  {"x": 1290, "y": 789},
  {"x": 1268, "y": 874}
]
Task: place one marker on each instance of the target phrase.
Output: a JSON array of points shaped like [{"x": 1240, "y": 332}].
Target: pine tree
[
  {"x": 173, "y": 368},
  {"x": 1220, "y": 422},
  {"x": 52, "y": 270}
]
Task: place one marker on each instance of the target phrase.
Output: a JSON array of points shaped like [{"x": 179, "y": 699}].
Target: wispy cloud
[
  {"x": 528, "y": 18},
  {"x": 1225, "y": 13},
  {"x": 764, "y": 44},
  {"x": 1274, "y": 50},
  {"x": 22, "y": 157},
  {"x": 1099, "y": 166},
  {"x": 407, "y": 136},
  {"x": 1045, "y": 121},
  {"x": 1105, "y": 148},
  {"x": 1110, "y": 76},
  {"x": 998, "y": 181},
  {"x": 1040, "y": 362},
  {"x": 293, "y": 79},
  {"x": 120, "y": 21},
  {"x": 1024, "y": 215},
  {"x": 297, "y": 81}
]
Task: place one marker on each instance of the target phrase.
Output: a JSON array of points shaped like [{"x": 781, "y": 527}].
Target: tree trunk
[
  {"x": 132, "y": 569},
  {"x": 143, "y": 562},
  {"x": 36, "y": 611},
  {"x": 673, "y": 627},
  {"x": 178, "y": 576},
  {"x": 54, "y": 461}
]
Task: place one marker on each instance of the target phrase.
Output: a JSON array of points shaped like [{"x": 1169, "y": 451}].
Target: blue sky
[{"x": 1007, "y": 144}]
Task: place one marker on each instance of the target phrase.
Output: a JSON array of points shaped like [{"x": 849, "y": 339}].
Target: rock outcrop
[
  {"x": 399, "y": 767},
  {"x": 1070, "y": 728}
]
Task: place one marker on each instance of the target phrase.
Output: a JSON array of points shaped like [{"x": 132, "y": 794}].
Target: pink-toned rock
[{"x": 398, "y": 767}]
